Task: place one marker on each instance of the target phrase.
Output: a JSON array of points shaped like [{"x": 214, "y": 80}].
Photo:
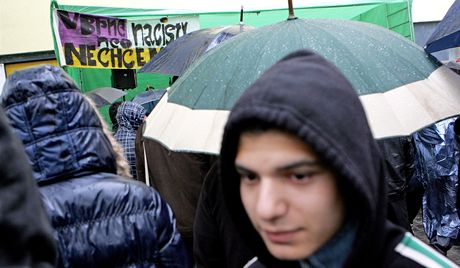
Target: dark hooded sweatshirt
[{"x": 308, "y": 97}]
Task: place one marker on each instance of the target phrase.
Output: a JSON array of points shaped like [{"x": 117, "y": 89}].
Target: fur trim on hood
[{"x": 121, "y": 162}]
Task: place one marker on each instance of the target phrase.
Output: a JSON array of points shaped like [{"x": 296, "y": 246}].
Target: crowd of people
[{"x": 299, "y": 181}]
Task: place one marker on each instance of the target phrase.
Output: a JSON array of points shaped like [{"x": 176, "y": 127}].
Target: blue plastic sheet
[{"x": 437, "y": 155}]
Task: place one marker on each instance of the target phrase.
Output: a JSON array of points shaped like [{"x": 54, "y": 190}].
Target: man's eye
[
  {"x": 302, "y": 176},
  {"x": 299, "y": 176},
  {"x": 248, "y": 177}
]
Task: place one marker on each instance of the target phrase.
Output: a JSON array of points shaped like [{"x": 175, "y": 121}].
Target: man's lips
[{"x": 281, "y": 236}]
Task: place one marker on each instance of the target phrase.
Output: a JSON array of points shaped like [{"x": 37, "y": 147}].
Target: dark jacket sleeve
[
  {"x": 172, "y": 249},
  {"x": 216, "y": 241},
  {"x": 25, "y": 233},
  {"x": 399, "y": 156},
  {"x": 207, "y": 246}
]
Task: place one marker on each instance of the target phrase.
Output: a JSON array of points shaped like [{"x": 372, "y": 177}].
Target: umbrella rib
[
  {"x": 236, "y": 71},
  {"x": 356, "y": 62}
]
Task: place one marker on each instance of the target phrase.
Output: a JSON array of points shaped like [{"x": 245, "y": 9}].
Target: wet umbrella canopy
[
  {"x": 372, "y": 58},
  {"x": 105, "y": 95},
  {"x": 418, "y": 89},
  {"x": 176, "y": 57}
]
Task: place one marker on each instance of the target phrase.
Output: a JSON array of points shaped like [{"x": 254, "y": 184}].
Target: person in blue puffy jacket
[{"x": 100, "y": 216}]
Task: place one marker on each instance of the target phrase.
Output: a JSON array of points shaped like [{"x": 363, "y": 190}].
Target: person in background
[
  {"x": 130, "y": 116},
  {"x": 437, "y": 156},
  {"x": 303, "y": 178},
  {"x": 25, "y": 232},
  {"x": 398, "y": 155},
  {"x": 113, "y": 109},
  {"x": 100, "y": 217},
  {"x": 457, "y": 142}
]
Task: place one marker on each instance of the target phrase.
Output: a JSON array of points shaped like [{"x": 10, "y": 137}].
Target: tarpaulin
[{"x": 437, "y": 156}]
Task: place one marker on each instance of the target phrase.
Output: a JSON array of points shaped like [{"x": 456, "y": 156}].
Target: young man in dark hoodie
[{"x": 303, "y": 178}]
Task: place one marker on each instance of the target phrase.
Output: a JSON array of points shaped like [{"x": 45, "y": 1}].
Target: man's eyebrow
[
  {"x": 289, "y": 166},
  {"x": 242, "y": 169},
  {"x": 298, "y": 164}
]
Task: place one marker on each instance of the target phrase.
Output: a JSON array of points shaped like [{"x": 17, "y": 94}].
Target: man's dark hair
[
  {"x": 113, "y": 111},
  {"x": 172, "y": 80},
  {"x": 457, "y": 126}
]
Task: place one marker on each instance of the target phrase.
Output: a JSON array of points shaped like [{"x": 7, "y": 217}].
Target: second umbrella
[
  {"x": 105, "y": 95},
  {"x": 177, "y": 56}
]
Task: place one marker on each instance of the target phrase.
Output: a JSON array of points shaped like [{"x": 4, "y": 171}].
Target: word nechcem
[
  {"x": 88, "y": 55},
  {"x": 107, "y": 42}
]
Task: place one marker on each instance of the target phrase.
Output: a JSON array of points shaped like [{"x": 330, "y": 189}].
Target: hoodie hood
[
  {"x": 59, "y": 127},
  {"x": 308, "y": 97},
  {"x": 130, "y": 115}
]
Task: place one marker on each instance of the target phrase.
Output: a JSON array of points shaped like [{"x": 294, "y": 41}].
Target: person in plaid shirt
[{"x": 130, "y": 116}]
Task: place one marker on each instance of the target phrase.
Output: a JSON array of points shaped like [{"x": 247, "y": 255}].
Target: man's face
[{"x": 292, "y": 201}]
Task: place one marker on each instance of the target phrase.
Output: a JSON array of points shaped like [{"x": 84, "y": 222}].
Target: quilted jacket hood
[{"x": 59, "y": 127}]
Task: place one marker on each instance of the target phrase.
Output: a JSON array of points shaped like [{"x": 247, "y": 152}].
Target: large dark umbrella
[
  {"x": 177, "y": 56},
  {"x": 447, "y": 32},
  {"x": 401, "y": 87}
]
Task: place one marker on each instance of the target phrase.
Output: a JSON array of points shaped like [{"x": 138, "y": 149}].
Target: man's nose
[{"x": 271, "y": 203}]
